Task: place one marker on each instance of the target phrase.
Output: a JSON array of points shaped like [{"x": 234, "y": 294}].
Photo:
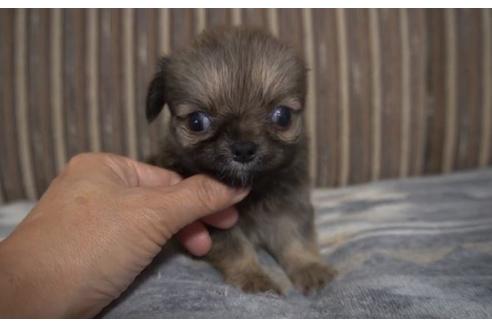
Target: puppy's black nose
[{"x": 243, "y": 151}]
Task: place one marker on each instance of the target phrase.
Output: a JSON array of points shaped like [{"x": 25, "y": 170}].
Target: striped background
[{"x": 393, "y": 93}]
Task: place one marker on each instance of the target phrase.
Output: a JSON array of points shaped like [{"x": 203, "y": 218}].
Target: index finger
[{"x": 153, "y": 176}]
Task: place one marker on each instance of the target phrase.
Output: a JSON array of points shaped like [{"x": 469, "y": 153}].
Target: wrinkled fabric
[{"x": 414, "y": 248}]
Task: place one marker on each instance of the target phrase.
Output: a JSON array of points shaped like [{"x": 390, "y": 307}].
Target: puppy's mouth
[{"x": 236, "y": 174}]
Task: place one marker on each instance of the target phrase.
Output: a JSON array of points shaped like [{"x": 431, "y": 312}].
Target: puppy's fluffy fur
[{"x": 237, "y": 78}]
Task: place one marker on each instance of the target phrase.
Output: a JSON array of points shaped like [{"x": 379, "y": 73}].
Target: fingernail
[{"x": 241, "y": 193}]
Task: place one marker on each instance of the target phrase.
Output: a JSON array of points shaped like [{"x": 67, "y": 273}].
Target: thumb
[{"x": 196, "y": 197}]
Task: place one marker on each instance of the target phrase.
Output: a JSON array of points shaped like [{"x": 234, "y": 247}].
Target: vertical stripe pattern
[
  {"x": 273, "y": 21},
  {"x": 92, "y": 80},
  {"x": 38, "y": 99},
  {"x": 468, "y": 96},
  {"x": 405, "y": 92},
  {"x": 21, "y": 103},
  {"x": 236, "y": 16},
  {"x": 376, "y": 93},
  {"x": 164, "y": 31},
  {"x": 128, "y": 69},
  {"x": 435, "y": 90},
  {"x": 418, "y": 86},
  {"x": 311, "y": 97},
  {"x": 57, "y": 88},
  {"x": 450, "y": 133},
  {"x": 344, "y": 96},
  {"x": 10, "y": 168},
  {"x": 485, "y": 150},
  {"x": 327, "y": 97},
  {"x": 201, "y": 20},
  {"x": 359, "y": 93},
  {"x": 392, "y": 93}
]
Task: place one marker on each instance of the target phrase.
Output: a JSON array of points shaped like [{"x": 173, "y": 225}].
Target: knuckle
[
  {"x": 79, "y": 159},
  {"x": 84, "y": 160},
  {"x": 76, "y": 164},
  {"x": 87, "y": 157}
]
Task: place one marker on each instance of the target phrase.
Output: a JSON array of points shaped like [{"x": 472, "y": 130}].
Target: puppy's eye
[
  {"x": 199, "y": 121},
  {"x": 281, "y": 116}
]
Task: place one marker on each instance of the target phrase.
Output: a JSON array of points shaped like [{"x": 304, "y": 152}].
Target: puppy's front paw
[
  {"x": 312, "y": 276},
  {"x": 254, "y": 282}
]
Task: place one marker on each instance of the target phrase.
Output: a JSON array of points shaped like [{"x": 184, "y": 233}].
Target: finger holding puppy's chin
[{"x": 195, "y": 236}]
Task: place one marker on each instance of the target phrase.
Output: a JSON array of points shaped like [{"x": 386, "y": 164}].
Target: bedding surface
[{"x": 414, "y": 248}]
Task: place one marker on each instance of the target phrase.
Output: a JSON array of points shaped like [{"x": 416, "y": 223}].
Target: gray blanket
[{"x": 415, "y": 248}]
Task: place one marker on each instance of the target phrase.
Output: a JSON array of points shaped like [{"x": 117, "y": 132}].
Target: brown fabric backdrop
[{"x": 394, "y": 93}]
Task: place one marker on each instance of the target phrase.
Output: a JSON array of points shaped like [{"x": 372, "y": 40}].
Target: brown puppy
[{"x": 236, "y": 99}]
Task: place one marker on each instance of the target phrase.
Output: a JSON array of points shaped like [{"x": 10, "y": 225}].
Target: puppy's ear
[{"x": 156, "y": 94}]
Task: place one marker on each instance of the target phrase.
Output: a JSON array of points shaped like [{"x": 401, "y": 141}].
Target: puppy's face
[{"x": 236, "y": 100}]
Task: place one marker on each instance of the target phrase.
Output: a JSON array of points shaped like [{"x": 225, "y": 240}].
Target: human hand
[{"x": 99, "y": 224}]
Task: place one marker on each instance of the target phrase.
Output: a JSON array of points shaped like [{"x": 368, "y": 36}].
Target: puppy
[{"x": 236, "y": 99}]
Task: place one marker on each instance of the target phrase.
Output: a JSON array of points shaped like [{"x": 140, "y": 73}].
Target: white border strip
[{"x": 248, "y": 4}]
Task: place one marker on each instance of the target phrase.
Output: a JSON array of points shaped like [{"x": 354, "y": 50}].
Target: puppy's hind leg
[{"x": 235, "y": 257}]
